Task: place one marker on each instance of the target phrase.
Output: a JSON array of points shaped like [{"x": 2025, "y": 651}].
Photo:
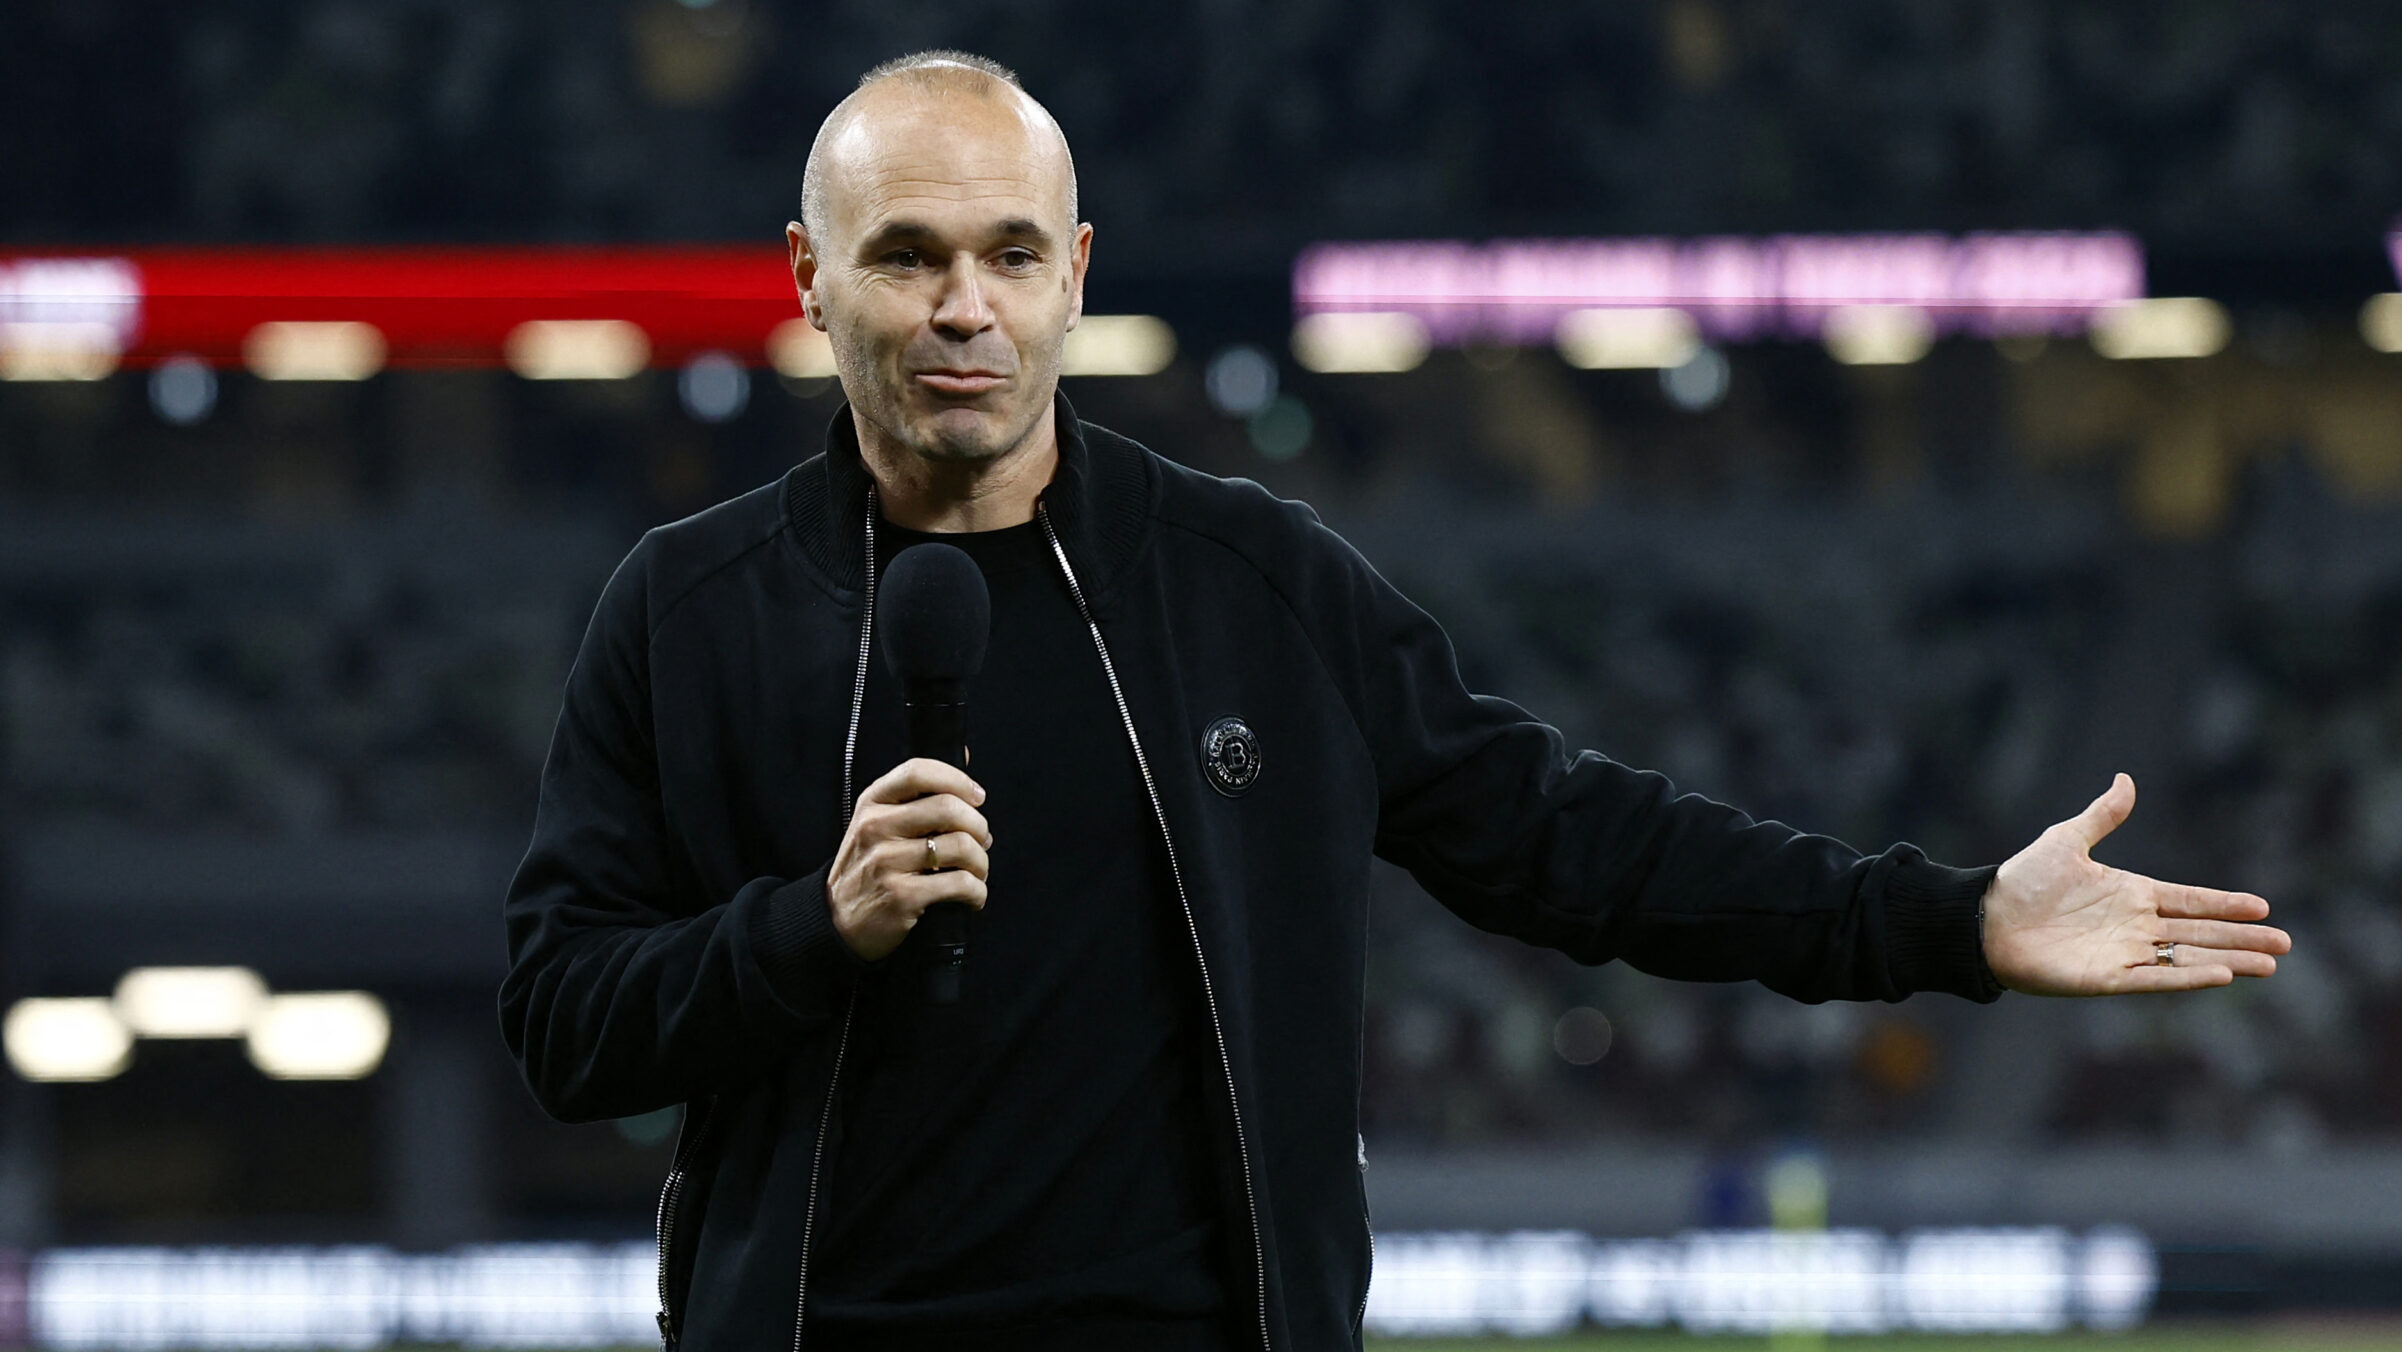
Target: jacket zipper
[
  {"x": 1359, "y": 1317},
  {"x": 1259, "y": 1251},
  {"x": 675, "y": 1176},
  {"x": 850, "y": 805},
  {"x": 1175, "y": 871},
  {"x": 817, "y": 1158},
  {"x": 670, "y": 1194}
]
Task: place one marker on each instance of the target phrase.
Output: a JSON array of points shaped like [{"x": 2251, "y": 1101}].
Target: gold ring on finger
[
  {"x": 2164, "y": 954},
  {"x": 933, "y": 860}
]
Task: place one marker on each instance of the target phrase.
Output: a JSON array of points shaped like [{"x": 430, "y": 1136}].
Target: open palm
[{"x": 2059, "y": 923}]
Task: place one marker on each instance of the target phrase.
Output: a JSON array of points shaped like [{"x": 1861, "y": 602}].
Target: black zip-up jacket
[{"x": 668, "y": 931}]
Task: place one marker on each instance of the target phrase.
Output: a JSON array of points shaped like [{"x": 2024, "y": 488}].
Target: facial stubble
[{"x": 888, "y": 408}]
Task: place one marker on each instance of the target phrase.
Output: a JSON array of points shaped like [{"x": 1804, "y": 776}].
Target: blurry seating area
[
  {"x": 1886, "y": 606},
  {"x": 280, "y": 657},
  {"x": 282, "y": 691},
  {"x": 1958, "y": 673},
  {"x": 1234, "y": 131}
]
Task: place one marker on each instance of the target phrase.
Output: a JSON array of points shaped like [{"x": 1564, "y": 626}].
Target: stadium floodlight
[
  {"x": 799, "y": 351},
  {"x": 1360, "y": 342},
  {"x": 183, "y": 390},
  {"x": 1118, "y": 345},
  {"x": 2381, "y": 322},
  {"x": 713, "y": 387},
  {"x": 2163, "y": 327},
  {"x": 1641, "y": 337},
  {"x": 185, "y": 1002},
  {"x": 1240, "y": 380},
  {"x": 66, "y": 318},
  {"x": 1878, "y": 335},
  {"x": 68, "y": 350},
  {"x": 1697, "y": 384},
  {"x": 320, "y": 1035},
  {"x": 577, "y": 349},
  {"x": 66, "y": 1040},
  {"x": 312, "y": 350}
]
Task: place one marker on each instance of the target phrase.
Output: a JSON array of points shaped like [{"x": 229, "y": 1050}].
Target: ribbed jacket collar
[{"x": 1099, "y": 500}]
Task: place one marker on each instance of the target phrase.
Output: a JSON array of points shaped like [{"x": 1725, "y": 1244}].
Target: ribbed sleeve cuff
[
  {"x": 1934, "y": 928},
  {"x": 795, "y": 938}
]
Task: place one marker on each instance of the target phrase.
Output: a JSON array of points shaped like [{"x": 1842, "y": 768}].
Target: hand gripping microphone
[{"x": 936, "y": 615}]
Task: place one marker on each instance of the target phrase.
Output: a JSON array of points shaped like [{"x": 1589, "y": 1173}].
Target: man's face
[{"x": 947, "y": 269}]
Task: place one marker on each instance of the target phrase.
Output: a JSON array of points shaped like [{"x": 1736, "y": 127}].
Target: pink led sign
[{"x": 1515, "y": 291}]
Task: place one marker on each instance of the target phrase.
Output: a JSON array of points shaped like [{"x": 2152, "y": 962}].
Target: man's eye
[
  {"x": 903, "y": 258},
  {"x": 1017, "y": 258}
]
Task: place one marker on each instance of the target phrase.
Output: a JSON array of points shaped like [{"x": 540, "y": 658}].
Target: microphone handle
[{"x": 938, "y": 731}]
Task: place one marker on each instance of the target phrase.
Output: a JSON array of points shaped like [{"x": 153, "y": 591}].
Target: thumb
[{"x": 2104, "y": 814}]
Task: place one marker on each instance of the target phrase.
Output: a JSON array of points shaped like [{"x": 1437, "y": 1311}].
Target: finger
[
  {"x": 2207, "y": 903},
  {"x": 954, "y": 850},
  {"x": 937, "y": 814},
  {"x": 2146, "y": 979},
  {"x": 2240, "y": 961},
  {"x": 949, "y": 850},
  {"x": 918, "y": 777},
  {"x": 917, "y": 891},
  {"x": 2221, "y": 934},
  {"x": 2103, "y": 815},
  {"x": 900, "y": 855}
]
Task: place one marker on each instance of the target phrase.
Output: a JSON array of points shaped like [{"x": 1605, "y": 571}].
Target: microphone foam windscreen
[{"x": 935, "y": 613}]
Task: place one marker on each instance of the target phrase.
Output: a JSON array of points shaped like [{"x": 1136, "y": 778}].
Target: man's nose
[{"x": 962, "y": 309}]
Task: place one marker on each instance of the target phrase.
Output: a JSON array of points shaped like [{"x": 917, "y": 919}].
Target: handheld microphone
[{"x": 936, "y": 615}]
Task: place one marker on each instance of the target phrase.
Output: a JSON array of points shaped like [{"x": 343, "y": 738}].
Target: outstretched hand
[{"x": 2057, "y": 923}]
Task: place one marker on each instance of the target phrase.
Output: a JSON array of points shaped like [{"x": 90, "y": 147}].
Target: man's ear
[
  {"x": 804, "y": 272},
  {"x": 1080, "y": 257}
]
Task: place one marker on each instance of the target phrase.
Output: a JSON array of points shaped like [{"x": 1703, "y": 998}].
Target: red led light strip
[{"x": 435, "y": 307}]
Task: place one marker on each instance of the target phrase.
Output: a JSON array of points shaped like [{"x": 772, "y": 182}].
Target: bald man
[{"x": 1200, "y": 715}]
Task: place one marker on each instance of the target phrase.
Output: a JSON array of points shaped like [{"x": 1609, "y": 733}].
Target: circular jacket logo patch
[{"x": 1230, "y": 755}]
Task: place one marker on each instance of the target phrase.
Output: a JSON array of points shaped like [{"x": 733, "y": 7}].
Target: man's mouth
[{"x": 960, "y": 380}]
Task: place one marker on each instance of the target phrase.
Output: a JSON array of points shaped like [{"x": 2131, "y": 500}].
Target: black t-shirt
[{"x": 1030, "y": 1160}]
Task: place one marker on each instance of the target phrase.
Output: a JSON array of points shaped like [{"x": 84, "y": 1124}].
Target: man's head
[{"x": 938, "y": 248}]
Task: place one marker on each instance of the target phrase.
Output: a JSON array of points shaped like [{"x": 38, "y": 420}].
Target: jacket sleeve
[
  {"x": 1517, "y": 834},
  {"x": 625, "y": 991}
]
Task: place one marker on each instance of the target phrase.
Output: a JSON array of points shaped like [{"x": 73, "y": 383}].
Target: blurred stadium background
[{"x": 1884, "y": 495}]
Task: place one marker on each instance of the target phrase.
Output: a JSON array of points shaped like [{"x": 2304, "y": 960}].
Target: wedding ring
[
  {"x": 934, "y": 861},
  {"x": 2164, "y": 955}
]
